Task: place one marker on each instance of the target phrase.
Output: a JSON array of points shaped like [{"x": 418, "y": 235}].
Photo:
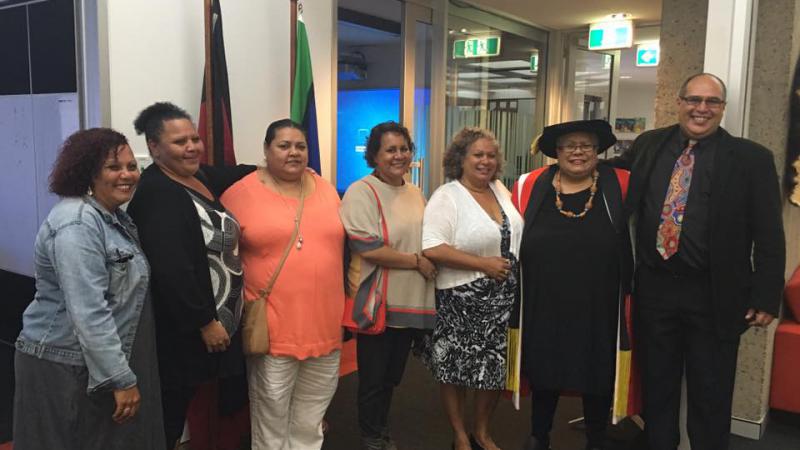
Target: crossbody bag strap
[
  {"x": 384, "y": 227},
  {"x": 264, "y": 293}
]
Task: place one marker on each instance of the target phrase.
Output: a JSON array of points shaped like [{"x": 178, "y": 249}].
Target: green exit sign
[
  {"x": 611, "y": 35},
  {"x": 647, "y": 55},
  {"x": 476, "y": 47}
]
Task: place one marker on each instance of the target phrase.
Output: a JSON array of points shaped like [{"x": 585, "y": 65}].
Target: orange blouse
[{"x": 304, "y": 310}]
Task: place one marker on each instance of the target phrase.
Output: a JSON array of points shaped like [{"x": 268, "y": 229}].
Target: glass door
[
  {"x": 588, "y": 81},
  {"x": 385, "y": 68}
]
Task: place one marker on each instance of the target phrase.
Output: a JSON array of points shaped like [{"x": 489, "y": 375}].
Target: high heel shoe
[{"x": 474, "y": 443}]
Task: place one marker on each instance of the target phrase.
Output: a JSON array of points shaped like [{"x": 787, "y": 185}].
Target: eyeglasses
[
  {"x": 696, "y": 100},
  {"x": 572, "y": 148}
]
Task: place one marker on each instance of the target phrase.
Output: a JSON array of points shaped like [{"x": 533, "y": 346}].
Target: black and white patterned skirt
[{"x": 469, "y": 339}]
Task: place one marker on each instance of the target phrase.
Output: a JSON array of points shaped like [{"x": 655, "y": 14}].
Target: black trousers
[
  {"x": 596, "y": 411},
  {"x": 675, "y": 332},
  {"x": 381, "y": 363}
]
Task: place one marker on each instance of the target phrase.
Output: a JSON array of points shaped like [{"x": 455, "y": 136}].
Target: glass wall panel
[
  {"x": 503, "y": 90},
  {"x": 422, "y": 104},
  {"x": 592, "y": 84},
  {"x": 369, "y": 79}
]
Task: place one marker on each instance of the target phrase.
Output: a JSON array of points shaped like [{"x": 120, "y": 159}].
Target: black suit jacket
[{"x": 747, "y": 253}]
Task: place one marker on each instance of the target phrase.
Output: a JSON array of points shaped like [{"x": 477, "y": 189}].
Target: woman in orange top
[{"x": 291, "y": 387}]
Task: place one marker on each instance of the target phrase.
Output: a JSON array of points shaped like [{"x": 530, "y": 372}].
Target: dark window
[
  {"x": 14, "y": 76},
  {"x": 52, "y": 35}
]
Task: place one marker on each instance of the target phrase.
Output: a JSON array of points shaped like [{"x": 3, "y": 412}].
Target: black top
[
  {"x": 183, "y": 298},
  {"x": 692, "y": 254},
  {"x": 570, "y": 271}
]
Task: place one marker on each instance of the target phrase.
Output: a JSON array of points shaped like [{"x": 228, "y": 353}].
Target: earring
[{"x": 89, "y": 192}]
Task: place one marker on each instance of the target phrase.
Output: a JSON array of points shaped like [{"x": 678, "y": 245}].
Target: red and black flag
[{"x": 216, "y": 131}]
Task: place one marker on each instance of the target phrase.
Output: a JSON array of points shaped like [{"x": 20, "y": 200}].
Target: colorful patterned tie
[{"x": 669, "y": 230}]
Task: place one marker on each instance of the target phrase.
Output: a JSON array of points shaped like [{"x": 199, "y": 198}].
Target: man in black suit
[{"x": 705, "y": 208}]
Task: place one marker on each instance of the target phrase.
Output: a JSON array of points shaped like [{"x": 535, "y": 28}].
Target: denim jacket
[{"x": 92, "y": 280}]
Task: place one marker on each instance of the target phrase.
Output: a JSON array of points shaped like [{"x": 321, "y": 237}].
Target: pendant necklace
[{"x": 299, "y": 244}]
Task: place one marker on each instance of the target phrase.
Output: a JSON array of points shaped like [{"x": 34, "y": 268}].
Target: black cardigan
[{"x": 172, "y": 240}]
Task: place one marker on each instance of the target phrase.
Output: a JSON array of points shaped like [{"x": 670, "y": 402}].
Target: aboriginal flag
[
  {"x": 627, "y": 388},
  {"x": 304, "y": 110},
  {"x": 220, "y": 151}
]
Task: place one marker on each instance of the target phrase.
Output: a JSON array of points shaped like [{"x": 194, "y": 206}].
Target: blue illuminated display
[{"x": 358, "y": 112}]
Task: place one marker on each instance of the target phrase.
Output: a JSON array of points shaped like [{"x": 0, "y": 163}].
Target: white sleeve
[{"x": 439, "y": 221}]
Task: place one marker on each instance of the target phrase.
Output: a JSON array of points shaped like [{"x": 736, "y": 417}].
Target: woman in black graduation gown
[{"x": 575, "y": 253}]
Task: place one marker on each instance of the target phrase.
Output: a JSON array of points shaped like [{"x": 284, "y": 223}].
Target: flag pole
[
  {"x": 292, "y": 46},
  {"x": 208, "y": 84}
]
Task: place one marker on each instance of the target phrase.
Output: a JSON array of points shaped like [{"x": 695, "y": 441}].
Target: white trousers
[{"x": 288, "y": 399}]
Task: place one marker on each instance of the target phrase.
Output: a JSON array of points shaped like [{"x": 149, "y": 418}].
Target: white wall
[
  {"x": 637, "y": 100},
  {"x": 155, "y": 53}
]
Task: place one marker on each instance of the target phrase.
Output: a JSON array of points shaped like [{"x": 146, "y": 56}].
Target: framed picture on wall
[{"x": 630, "y": 125}]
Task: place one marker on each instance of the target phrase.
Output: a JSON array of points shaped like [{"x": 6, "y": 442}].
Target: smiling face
[
  {"x": 287, "y": 154},
  {"x": 698, "y": 122},
  {"x": 480, "y": 163},
  {"x": 577, "y": 154},
  {"x": 116, "y": 181},
  {"x": 393, "y": 158},
  {"x": 179, "y": 148}
]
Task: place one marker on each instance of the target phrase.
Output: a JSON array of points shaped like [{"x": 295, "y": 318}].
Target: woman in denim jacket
[{"x": 86, "y": 371}]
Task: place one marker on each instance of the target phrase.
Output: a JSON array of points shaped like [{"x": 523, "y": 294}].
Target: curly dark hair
[
  {"x": 457, "y": 151},
  {"x": 150, "y": 120},
  {"x": 273, "y": 128},
  {"x": 81, "y": 157},
  {"x": 375, "y": 135}
]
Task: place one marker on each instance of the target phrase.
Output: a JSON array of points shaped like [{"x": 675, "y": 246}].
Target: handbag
[
  {"x": 255, "y": 328},
  {"x": 365, "y": 312}
]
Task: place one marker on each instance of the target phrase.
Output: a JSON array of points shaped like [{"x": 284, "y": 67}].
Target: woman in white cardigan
[{"x": 472, "y": 232}]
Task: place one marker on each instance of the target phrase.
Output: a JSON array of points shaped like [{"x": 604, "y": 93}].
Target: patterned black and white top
[
  {"x": 469, "y": 339},
  {"x": 221, "y": 235}
]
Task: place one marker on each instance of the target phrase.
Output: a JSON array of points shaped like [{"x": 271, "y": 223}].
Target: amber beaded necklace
[{"x": 586, "y": 208}]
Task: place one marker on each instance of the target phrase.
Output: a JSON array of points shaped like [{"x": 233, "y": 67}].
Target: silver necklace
[{"x": 299, "y": 244}]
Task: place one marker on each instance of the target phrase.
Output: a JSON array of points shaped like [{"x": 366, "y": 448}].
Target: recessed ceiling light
[
  {"x": 625, "y": 77},
  {"x": 464, "y": 30}
]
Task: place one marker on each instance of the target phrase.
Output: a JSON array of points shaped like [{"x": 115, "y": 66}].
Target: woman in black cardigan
[{"x": 191, "y": 244}]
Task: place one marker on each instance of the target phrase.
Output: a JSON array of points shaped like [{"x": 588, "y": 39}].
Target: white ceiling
[{"x": 568, "y": 14}]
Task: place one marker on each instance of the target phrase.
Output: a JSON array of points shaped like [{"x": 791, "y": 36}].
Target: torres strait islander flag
[
  {"x": 303, "y": 109},
  {"x": 222, "y": 146}
]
